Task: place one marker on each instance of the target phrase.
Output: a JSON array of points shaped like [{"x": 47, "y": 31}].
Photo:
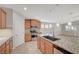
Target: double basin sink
[{"x": 51, "y": 38}]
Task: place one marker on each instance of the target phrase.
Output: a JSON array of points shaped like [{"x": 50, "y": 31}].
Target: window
[
  {"x": 50, "y": 25},
  {"x": 46, "y": 26},
  {"x": 42, "y": 25}
]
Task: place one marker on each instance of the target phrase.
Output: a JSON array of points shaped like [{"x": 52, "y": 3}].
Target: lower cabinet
[
  {"x": 2, "y": 49},
  {"x": 45, "y": 46},
  {"x": 38, "y": 42},
  {"x": 11, "y": 45},
  {"x": 42, "y": 46},
  {"x": 6, "y": 47},
  {"x": 28, "y": 37},
  {"x": 49, "y": 49}
]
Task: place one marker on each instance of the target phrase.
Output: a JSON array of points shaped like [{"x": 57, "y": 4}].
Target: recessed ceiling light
[
  {"x": 25, "y": 8},
  {"x": 69, "y": 23},
  {"x": 57, "y": 25}
]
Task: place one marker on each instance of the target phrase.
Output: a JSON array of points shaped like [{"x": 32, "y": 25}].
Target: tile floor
[{"x": 27, "y": 48}]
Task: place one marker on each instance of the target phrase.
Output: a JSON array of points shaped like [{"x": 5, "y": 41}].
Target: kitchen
[{"x": 39, "y": 29}]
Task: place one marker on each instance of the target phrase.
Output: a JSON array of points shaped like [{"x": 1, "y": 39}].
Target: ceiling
[{"x": 52, "y": 13}]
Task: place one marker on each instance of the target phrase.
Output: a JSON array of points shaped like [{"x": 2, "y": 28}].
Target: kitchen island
[{"x": 66, "y": 44}]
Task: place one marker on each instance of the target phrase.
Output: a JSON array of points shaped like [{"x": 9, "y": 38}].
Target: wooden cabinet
[
  {"x": 2, "y": 48},
  {"x": 27, "y": 28},
  {"x": 49, "y": 47},
  {"x": 27, "y": 24},
  {"x": 35, "y": 23},
  {"x": 2, "y": 18},
  {"x": 38, "y": 43},
  {"x": 28, "y": 37},
  {"x": 42, "y": 46},
  {"x": 6, "y": 47},
  {"x": 45, "y": 46},
  {"x": 11, "y": 45},
  {"x": 32, "y": 22}
]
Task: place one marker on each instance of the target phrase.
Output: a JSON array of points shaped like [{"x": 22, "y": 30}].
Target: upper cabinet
[
  {"x": 35, "y": 23},
  {"x": 32, "y": 23},
  {"x": 2, "y": 18},
  {"x": 32, "y": 27},
  {"x": 27, "y": 24}
]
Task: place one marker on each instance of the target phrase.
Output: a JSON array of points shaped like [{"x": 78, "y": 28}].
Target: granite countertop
[
  {"x": 5, "y": 34},
  {"x": 4, "y": 39},
  {"x": 70, "y": 44}
]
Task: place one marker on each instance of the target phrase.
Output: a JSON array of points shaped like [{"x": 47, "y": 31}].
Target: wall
[
  {"x": 49, "y": 31},
  {"x": 46, "y": 31},
  {"x": 15, "y": 21},
  {"x": 9, "y": 18},
  {"x": 71, "y": 32},
  {"x": 57, "y": 30},
  {"x": 18, "y": 29}
]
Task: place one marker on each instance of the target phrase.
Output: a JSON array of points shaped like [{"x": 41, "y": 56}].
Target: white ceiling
[{"x": 57, "y": 13}]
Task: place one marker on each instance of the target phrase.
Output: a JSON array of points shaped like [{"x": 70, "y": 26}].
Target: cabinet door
[
  {"x": 42, "y": 46},
  {"x": 39, "y": 24},
  {"x": 27, "y": 24},
  {"x": 7, "y": 47},
  {"x": 35, "y": 23},
  {"x": 0, "y": 18},
  {"x": 28, "y": 37},
  {"x": 3, "y": 20},
  {"x": 7, "y": 51},
  {"x": 38, "y": 42},
  {"x": 11, "y": 45},
  {"x": 2, "y": 49},
  {"x": 49, "y": 48}
]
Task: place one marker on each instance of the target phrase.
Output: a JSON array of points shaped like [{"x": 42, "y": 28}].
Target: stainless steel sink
[{"x": 51, "y": 38}]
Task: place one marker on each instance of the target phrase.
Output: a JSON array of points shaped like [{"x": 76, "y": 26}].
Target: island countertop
[{"x": 68, "y": 43}]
